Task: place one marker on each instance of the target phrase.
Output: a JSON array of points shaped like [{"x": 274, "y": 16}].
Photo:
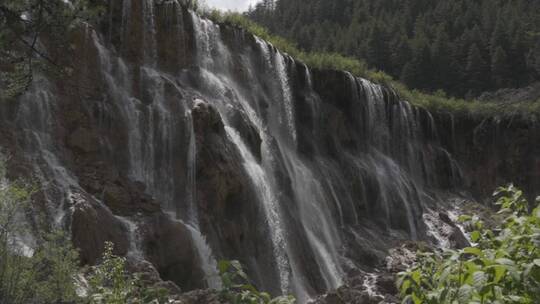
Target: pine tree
[
  {"x": 377, "y": 49},
  {"x": 441, "y": 58},
  {"x": 385, "y": 33},
  {"x": 498, "y": 38},
  {"x": 534, "y": 58},
  {"x": 477, "y": 70},
  {"x": 400, "y": 54},
  {"x": 499, "y": 68},
  {"x": 517, "y": 59},
  {"x": 417, "y": 73}
]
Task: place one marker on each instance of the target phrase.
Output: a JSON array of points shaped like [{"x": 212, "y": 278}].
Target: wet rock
[
  {"x": 493, "y": 151},
  {"x": 250, "y": 134},
  {"x": 84, "y": 140},
  {"x": 403, "y": 257},
  {"x": 456, "y": 237},
  {"x": 149, "y": 276},
  {"x": 206, "y": 119},
  {"x": 168, "y": 246},
  {"x": 226, "y": 201},
  {"x": 446, "y": 219},
  {"x": 147, "y": 272},
  {"x": 127, "y": 198},
  {"x": 116, "y": 197},
  {"x": 91, "y": 226},
  {"x": 386, "y": 284}
]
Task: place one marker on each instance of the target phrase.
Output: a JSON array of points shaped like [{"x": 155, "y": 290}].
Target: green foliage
[
  {"x": 16, "y": 275},
  {"x": 26, "y": 26},
  {"x": 319, "y": 60},
  {"x": 43, "y": 276},
  {"x": 387, "y": 35},
  {"x": 56, "y": 265},
  {"x": 333, "y": 61},
  {"x": 238, "y": 290},
  {"x": 502, "y": 267},
  {"x": 111, "y": 283},
  {"x": 477, "y": 70}
]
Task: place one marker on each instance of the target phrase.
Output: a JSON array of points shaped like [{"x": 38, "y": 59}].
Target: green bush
[
  {"x": 111, "y": 283},
  {"x": 503, "y": 265},
  {"x": 56, "y": 266},
  {"x": 237, "y": 289},
  {"x": 45, "y": 275},
  {"x": 49, "y": 272},
  {"x": 20, "y": 58}
]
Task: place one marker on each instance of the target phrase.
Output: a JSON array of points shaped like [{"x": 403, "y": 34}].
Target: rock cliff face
[
  {"x": 494, "y": 151},
  {"x": 183, "y": 141}
]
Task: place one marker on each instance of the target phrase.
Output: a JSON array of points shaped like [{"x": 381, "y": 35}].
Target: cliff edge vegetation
[{"x": 438, "y": 101}]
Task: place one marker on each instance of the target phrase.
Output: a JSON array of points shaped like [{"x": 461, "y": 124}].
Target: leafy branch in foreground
[
  {"x": 237, "y": 289},
  {"x": 27, "y": 27},
  {"x": 502, "y": 267}
]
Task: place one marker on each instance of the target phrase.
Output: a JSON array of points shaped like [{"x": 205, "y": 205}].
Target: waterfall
[
  {"x": 326, "y": 160},
  {"x": 126, "y": 16},
  {"x": 35, "y": 117},
  {"x": 208, "y": 262},
  {"x": 273, "y": 214},
  {"x": 134, "y": 249},
  {"x": 281, "y": 67},
  {"x": 151, "y": 137},
  {"x": 193, "y": 216},
  {"x": 206, "y": 256},
  {"x": 150, "y": 49}
]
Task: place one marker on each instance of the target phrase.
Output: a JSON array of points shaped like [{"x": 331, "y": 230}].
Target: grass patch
[{"x": 437, "y": 101}]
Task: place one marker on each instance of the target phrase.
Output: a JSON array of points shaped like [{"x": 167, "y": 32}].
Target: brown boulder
[
  {"x": 169, "y": 247},
  {"x": 91, "y": 226},
  {"x": 128, "y": 198},
  {"x": 149, "y": 276},
  {"x": 456, "y": 236}
]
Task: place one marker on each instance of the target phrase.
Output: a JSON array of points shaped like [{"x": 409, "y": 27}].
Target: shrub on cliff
[
  {"x": 502, "y": 267},
  {"x": 43, "y": 275},
  {"x": 111, "y": 283},
  {"x": 47, "y": 269}
]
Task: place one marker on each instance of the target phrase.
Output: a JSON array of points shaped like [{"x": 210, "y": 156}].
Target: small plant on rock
[{"x": 111, "y": 283}]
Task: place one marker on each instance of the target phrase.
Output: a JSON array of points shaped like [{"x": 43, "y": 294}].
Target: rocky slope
[{"x": 184, "y": 142}]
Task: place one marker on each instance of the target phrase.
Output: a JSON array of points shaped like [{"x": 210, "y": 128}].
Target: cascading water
[
  {"x": 273, "y": 214},
  {"x": 151, "y": 137},
  {"x": 288, "y": 114},
  {"x": 192, "y": 173},
  {"x": 134, "y": 249},
  {"x": 327, "y": 167},
  {"x": 208, "y": 261},
  {"x": 35, "y": 118}
]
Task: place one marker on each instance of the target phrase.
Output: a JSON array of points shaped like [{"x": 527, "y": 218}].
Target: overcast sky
[{"x": 236, "y": 5}]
